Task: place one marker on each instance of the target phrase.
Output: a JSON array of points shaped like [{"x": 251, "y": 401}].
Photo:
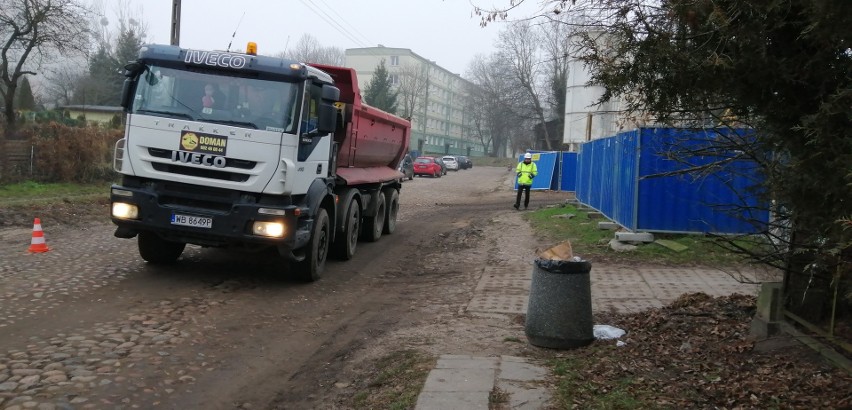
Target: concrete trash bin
[{"x": 559, "y": 314}]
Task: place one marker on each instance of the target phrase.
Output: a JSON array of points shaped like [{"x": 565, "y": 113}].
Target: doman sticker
[{"x": 191, "y": 141}]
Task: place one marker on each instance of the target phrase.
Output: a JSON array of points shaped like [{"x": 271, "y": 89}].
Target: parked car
[
  {"x": 451, "y": 162},
  {"x": 464, "y": 162},
  {"x": 406, "y": 166},
  {"x": 428, "y": 166},
  {"x": 440, "y": 162}
]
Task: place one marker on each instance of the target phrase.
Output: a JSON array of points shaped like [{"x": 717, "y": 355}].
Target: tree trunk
[
  {"x": 5, "y": 163},
  {"x": 544, "y": 131},
  {"x": 808, "y": 280},
  {"x": 9, "y": 128}
]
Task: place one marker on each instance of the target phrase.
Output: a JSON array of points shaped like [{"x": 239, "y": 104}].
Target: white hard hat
[{"x": 527, "y": 156}]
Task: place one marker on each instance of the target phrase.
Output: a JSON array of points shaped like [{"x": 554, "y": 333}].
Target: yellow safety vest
[{"x": 527, "y": 171}]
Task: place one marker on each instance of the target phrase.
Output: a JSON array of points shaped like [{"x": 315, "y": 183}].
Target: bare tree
[
  {"x": 115, "y": 42},
  {"x": 99, "y": 26},
  {"x": 519, "y": 47},
  {"x": 125, "y": 18},
  {"x": 411, "y": 89},
  {"x": 555, "y": 37},
  {"x": 35, "y": 28},
  {"x": 491, "y": 104},
  {"x": 332, "y": 56},
  {"x": 308, "y": 49},
  {"x": 61, "y": 81}
]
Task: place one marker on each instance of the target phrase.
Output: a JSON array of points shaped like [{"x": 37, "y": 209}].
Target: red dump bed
[{"x": 372, "y": 142}]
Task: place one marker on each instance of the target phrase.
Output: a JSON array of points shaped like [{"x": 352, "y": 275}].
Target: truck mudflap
[{"x": 206, "y": 227}]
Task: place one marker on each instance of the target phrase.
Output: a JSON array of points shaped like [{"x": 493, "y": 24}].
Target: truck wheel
[
  {"x": 392, "y": 201},
  {"x": 345, "y": 243},
  {"x": 374, "y": 225},
  {"x": 310, "y": 269},
  {"x": 156, "y": 250}
]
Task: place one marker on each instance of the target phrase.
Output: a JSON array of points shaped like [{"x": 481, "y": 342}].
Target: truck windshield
[{"x": 238, "y": 101}]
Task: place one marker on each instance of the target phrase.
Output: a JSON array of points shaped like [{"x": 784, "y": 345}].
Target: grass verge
[
  {"x": 56, "y": 203},
  {"x": 492, "y": 162},
  {"x": 591, "y": 243},
  {"x": 573, "y": 387},
  {"x": 34, "y": 192},
  {"x": 398, "y": 378}
]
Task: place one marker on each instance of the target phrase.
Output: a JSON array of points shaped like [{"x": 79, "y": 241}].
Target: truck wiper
[
  {"x": 168, "y": 113},
  {"x": 246, "y": 124}
]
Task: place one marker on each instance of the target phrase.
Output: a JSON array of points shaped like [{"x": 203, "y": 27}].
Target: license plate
[{"x": 194, "y": 221}]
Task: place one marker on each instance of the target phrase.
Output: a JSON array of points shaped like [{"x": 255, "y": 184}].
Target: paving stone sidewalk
[{"x": 465, "y": 382}]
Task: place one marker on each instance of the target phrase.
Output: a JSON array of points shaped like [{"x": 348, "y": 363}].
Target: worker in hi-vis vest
[{"x": 526, "y": 171}]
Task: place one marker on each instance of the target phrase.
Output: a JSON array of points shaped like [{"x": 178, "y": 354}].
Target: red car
[{"x": 427, "y": 166}]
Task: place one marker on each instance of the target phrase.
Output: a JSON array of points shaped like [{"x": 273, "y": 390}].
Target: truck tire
[
  {"x": 392, "y": 202},
  {"x": 310, "y": 269},
  {"x": 373, "y": 226},
  {"x": 158, "y": 251},
  {"x": 346, "y": 241}
]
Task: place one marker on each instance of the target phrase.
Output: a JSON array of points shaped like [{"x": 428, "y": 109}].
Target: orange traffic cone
[{"x": 38, "y": 245}]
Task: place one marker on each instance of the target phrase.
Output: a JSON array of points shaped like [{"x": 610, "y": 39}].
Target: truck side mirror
[
  {"x": 125, "y": 93},
  {"x": 132, "y": 69},
  {"x": 327, "y": 122},
  {"x": 330, "y": 93}
]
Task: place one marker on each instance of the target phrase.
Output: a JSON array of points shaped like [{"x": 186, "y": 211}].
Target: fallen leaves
[{"x": 696, "y": 353}]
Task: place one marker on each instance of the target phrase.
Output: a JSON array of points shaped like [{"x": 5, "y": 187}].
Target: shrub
[{"x": 71, "y": 154}]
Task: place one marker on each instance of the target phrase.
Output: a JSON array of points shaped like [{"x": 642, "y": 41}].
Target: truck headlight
[
  {"x": 271, "y": 229},
  {"x": 124, "y": 210}
]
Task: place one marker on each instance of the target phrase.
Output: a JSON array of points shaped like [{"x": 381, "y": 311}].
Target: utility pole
[{"x": 175, "y": 39}]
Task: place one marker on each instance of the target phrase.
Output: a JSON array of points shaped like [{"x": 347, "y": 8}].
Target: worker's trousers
[{"x": 521, "y": 190}]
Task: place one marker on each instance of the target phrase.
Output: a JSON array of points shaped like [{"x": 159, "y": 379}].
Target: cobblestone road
[{"x": 90, "y": 325}]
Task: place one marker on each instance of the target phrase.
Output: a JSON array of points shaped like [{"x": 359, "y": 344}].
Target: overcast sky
[{"x": 444, "y": 31}]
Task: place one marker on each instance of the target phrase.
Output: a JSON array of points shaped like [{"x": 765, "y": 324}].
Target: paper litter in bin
[
  {"x": 560, "y": 252},
  {"x": 606, "y": 332}
]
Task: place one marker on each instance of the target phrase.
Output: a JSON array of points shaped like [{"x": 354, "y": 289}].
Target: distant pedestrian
[{"x": 526, "y": 171}]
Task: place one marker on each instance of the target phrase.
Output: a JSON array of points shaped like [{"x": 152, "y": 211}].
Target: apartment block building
[{"x": 436, "y": 105}]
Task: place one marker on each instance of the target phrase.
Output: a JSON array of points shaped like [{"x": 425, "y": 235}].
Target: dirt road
[{"x": 90, "y": 325}]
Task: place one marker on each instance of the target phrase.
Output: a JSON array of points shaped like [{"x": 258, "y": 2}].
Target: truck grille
[
  {"x": 218, "y": 207},
  {"x": 199, "y": 172},
  {"x": 193, "y": 196}
]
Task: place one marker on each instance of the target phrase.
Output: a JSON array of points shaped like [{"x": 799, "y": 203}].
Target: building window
[
  {"x": 394, "y": 61},
  {"x": 394, "y": 79}
]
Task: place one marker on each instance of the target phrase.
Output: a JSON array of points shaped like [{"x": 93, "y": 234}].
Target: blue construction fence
[
  {"x": 556, "y": 170},
  {"x": 631, "y": 180}
]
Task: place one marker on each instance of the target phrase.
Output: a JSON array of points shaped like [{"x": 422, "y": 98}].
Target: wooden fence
[{"x": 19, "y": 153}]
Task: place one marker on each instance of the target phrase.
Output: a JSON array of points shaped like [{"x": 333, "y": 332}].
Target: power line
[
  {"x": 328, "y": 19},
  {"x": 340, "y": 18}
]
